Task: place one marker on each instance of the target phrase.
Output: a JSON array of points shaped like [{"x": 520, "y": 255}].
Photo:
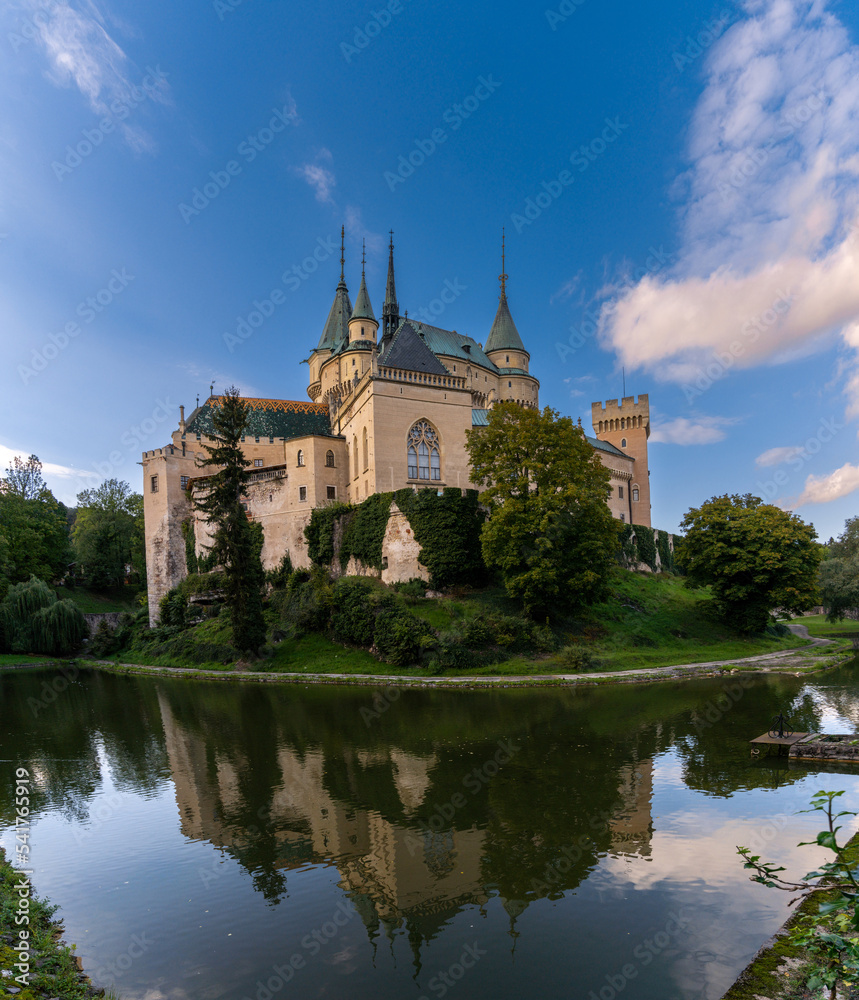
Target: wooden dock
[{"x": 784, "y": 743}]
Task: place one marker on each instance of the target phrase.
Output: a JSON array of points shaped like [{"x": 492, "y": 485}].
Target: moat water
[{"x": 208, "y": 840}]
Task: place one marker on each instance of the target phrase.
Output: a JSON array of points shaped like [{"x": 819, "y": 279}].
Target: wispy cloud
[
  {"x": 49, "y": 469},
  {"x": 769, "y": 251},
  {"x": 319, "y": 178},
  {"x": 681, "y": 430},
  {"x": 824, "y": 489},
  {"x": 356, "y": 229},
  {"x": 777, "y": 456}
]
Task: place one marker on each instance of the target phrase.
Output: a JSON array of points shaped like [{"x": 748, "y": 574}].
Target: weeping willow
[{"x": 32, "y": 620}]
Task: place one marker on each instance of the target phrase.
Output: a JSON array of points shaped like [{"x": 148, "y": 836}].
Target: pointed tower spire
[
  {"x": 363, "y": 310},
  {"x": 391, "y": 309},
  {"x": 336, "y": 330},
  {"x": 503, "y": 336}
]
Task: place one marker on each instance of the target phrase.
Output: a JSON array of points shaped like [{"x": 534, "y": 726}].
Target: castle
[{"x": 390, "y": 405}]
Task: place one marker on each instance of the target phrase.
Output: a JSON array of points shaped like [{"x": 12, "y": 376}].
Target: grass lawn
[
  {"x": 819, "y": 626},
  {"x": 17, "y": 659}
]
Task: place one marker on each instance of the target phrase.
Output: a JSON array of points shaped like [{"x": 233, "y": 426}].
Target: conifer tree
[{"x": 235, "y": 546}]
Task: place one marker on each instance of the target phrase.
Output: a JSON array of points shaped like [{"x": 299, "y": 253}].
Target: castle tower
[
  {"x": 336, "y": 330},
  {"x": 626, "y": 425},
  {"x": 363, "y": 323},
  {"x": 505, "y": 349},
  {"x": 391, "y": 308}
]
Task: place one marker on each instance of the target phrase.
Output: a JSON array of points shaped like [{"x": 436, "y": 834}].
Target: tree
[
  {"x": 755, "y": 556},
  {"x": 107, "y": 532},
  {"x": 235, "y": 545},
  {"x": 24, "y": 478},
  {"x": 33, "y": 620},
  {"x": 549, "y": 532},
  {"x": 839, "y": 574},
  {"x": 34, "y": 535}
]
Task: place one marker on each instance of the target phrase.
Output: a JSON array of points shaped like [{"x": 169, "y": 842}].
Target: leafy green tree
[
  {"x": 549, "y": 532},
  {"x": 107, "y": 533},
  {"x": 33, "y": 620},
  {"x": 34, "y": 534},
  {"x": 839, "y": 574},
  {"x": 236, "y": 545},
  {"x": 755, "y": 556}
]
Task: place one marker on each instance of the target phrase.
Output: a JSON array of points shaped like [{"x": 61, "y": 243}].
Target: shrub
[
  {"x": 32, "y": 620},
  {"x": 401, "y": 638},
  {"x": 413, "y": 589},
  {"x": 353, "y": 617},
  {"x": 578, "y": 658}
]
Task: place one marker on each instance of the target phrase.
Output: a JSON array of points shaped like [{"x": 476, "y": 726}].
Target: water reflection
[{"x": 535, "y": 807}]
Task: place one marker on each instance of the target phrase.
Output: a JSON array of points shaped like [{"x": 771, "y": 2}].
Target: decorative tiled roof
[
  {"x": 278, "y": 418},
  {"x": 410, "y": 352}
]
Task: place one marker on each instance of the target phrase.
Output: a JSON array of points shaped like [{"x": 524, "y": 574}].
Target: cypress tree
[{"x": 235, "y": 546}]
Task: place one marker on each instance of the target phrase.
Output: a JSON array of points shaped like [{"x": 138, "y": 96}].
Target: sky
[{"x": 679, "y": 186}]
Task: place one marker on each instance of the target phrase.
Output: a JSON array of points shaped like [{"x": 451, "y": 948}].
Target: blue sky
[{"x": 678, "y": 185}]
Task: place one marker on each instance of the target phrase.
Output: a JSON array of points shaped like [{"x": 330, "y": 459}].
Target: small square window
[
  {"x": 257, "y": 463},
  {"x": 183, "y": 480},
  {"x": 153, "y": 484},
  {"x": 332, "y": 492},
  {"x": 302, "y": 493}
]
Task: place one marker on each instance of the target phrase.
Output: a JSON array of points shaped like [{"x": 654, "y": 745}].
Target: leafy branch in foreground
[{"x": 831, "y": 936}]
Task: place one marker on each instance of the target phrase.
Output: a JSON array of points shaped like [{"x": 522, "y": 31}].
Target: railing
[
  {"x": 267, "y": 475},
  {"x": 423, "y": 378}
]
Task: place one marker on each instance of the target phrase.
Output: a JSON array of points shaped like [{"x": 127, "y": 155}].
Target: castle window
[
  {"x": 362, "y": 332},
  {"x": 153, "y": 484},
  {"x": 508, "y": 359},
  {"x": 620, "y": 492},
  {"x": 623, "y": 517},
  {"x": 256, "y": 438},
  {"x": 300, "y": 460},
  {"x": 424, "y": 453},
  {"x": 623, "y": 442},
  {"x": 302, "y": 493},
  {"x": 366, "y": 450},
  {"x": 332, "y": 492},
  {"x": 329, "y": 459},
  {"x": 353, "y": 362},
  {"x": 183, "y": 482},
  {"x": 509, "y": 385},
  {"x": 635, "y": 494},
  {"x": 257, "y": 463}
]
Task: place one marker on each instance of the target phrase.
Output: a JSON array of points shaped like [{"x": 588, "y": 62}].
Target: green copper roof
[
  {"x": 604, "y": 446},
  {"x": 277, "y": 418},
  {"x": 337, "y": 325},
  {"x": 504, "y": 336},
  {"x": 480, "y": 418},
  {"x": 452, "y": 344},
  {"x": 363, "y": 309}
]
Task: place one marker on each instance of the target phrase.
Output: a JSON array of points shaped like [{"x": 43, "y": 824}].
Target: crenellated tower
[{"x": 626, "y": 426}]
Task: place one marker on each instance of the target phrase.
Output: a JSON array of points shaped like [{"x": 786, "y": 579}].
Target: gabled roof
[
  {"x": 409, "y": 351},
  {"x": 453, "y": 344},
  {"x": 337, "y": 325},
  {"x": 279, "y": 418},
  {"x": 504, "y": 336},
  {"x": 605, "y": 446}
]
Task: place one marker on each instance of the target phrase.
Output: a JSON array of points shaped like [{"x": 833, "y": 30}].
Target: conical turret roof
[
  {"x": 336, "y": 329},
  {"x": 504, "y": 336},
  {"x": 363, "y": 309}
]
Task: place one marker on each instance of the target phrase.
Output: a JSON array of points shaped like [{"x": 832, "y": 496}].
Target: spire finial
[
  {"x": 503, "y": 276},
  {"x": 391, "y": 244},
  {"x": 342, "y": 253},
  {"x": 363, "y": 258}
]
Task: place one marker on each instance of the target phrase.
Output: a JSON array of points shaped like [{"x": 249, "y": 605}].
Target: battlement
[{"x": 626, "y": 415}]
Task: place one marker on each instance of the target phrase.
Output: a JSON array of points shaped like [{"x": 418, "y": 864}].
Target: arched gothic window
[
  {"x": 329, "y": 459},
  {"x": 300, "y": 457},
  {"x": 424, "y": 452},
  {"x": 635, "y": 494}
]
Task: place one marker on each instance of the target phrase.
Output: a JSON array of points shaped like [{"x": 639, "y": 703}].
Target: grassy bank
[
  {"x": 649, "y": 621},
  {"x": 95, "y": 602},
  {"x": 53, "y": 969},
  {"x": 818, "y": 626}
]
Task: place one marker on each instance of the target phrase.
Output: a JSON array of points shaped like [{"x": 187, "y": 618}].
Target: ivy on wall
[
  {"x": 645, "y": 544},
  {"x": 320, "y": 532},
  {"x": 640, "y": 544},
  {"x": 190, "y": 546},
  {"x": 447, "y": 528},
  {"x": 364, "y": 531},
  {"x": 666, "y": 556}
]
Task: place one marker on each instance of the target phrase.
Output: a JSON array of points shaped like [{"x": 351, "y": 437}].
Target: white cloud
[
  {"x": 702, "y": 430},
  {"x": 53, "y": 473},
  {"x": 321, "y": 180},
  {"x": 824, "y": 489},
  {"x": 776, "y": 456},
  {"x": 769, "y": 252}
]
